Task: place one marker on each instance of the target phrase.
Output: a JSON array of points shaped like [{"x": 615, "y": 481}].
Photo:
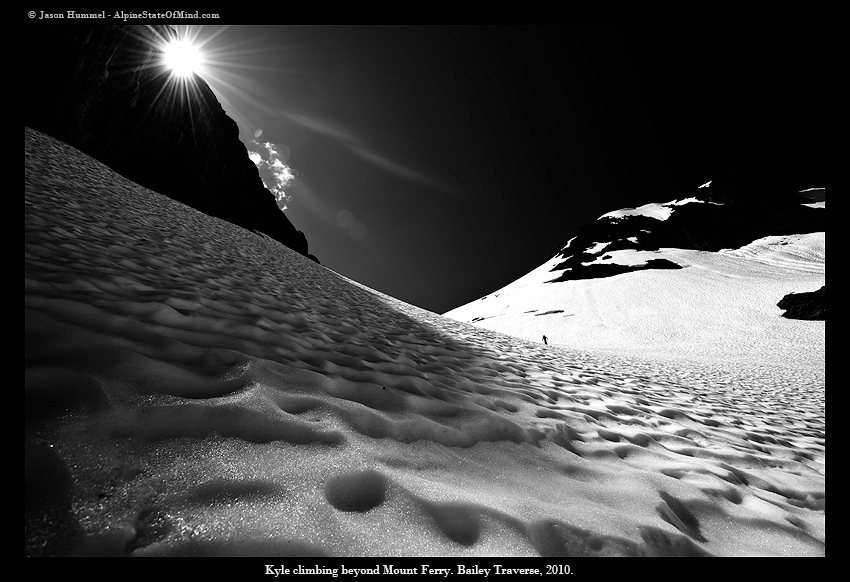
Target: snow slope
[
  {"x": 194, "y": 389},
  {"x": 720, "y": 307}
]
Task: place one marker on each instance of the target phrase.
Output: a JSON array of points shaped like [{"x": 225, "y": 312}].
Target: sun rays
[
  {"x": 183, "y": 58},
  {"x": 192, "y": 60}
]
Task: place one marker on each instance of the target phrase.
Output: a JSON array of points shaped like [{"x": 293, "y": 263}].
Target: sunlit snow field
[
  {"x": 720, "y": 308},
  {"x": 196, "y": 389}
]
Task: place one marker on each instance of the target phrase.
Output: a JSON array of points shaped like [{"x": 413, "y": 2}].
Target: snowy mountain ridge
[
  {"x": 653, "y": 280},
  {"x": 654, "y": 209}
]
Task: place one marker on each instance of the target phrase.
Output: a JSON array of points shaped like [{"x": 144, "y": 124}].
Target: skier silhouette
[{"x": 545, "y": 340}]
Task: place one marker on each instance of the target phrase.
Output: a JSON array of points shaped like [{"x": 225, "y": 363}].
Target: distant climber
[{"x": 545, "y": 340}]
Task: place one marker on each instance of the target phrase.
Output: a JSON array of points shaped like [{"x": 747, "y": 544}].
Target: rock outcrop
[
  {"x": 105, "y": 91},
  {"x": 811, "y": 306},
  {"x": 728, "y": 213}
]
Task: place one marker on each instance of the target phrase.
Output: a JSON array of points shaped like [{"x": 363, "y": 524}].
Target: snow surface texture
[{"x": 195, "y": 389}]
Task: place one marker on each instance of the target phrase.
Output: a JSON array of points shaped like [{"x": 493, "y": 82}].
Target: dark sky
[{"x": 437, "y": 164}]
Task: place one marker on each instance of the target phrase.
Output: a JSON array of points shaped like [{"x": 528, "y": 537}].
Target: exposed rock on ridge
[
  {"x": 809, "y": 306},
  {"x": 103, "y": 90},
  {"x": 733, "y": 211}
]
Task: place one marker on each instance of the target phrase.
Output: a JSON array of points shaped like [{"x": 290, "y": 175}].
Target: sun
[{"x": 183, "y": 58}]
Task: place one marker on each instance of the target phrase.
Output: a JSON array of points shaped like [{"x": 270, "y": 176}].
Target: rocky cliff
[{"x": 104, "y": 90}]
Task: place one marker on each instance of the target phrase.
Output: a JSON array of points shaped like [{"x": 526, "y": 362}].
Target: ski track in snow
[{"x": 195, "y": 389}]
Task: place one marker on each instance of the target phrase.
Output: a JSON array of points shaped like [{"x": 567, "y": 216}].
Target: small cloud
[{"x": 270, "y": 160}]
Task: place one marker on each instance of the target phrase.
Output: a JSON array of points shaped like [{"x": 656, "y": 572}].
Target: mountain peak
[
  {"x": 106, "y": 91},
  {"x": 727, "y": 213}
]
